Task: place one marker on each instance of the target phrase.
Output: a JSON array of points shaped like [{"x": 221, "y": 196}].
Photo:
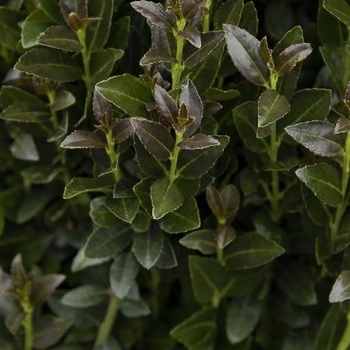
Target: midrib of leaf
[
  {"x": 269, "y": 112},
  {"x": 326, "y": 183},
  {"x": 124, "y": 95},
  {"x": 255, "y": 251}
]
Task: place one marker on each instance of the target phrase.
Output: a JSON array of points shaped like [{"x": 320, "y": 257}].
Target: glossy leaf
[
  {"x": 122, "y": 274},
  {"x": 81, "y": 262},
  {"x": 128, "y": 93},
  {"x": 214, "y": 94},
  {"x": 108, "y": 242},
  {"x": 44, "y": 286},
  {"x": 83, "y": 139},
  {"x": 26, "y": 112},
  {"x": 198, "y": 141},
  {"x": 229, "y": 12},
  {"x": 249, "y": 18},
  {"x": 252, "y": 250},
  {"x": 318, "y": 137},
  {"x": 80, "y": 185},
  {"x": 224, "y": 235},
  {"x": 85, "y": 296},
  {"x": 324, "y": 181},
  {"x": 134, "y": 308},
  {"x": 155, "y": 13},
  {"x": 154, "y": 137},
  {"x": 243, "y": 314},
  {"x": 244, "y": 52},
  {"x": 52, "y": 10},
  {"x": 183, "y": 219},
  {"x": 341, "y": 288},
  {"x": 291, "y": 56},
  {"x": 192, "y": 35},
  {"x": 148, "y": 246},
  {"x": 9, "y": 29},
  {"x": 63, "y": 100},
  {"x": 60, "y": 37},
  {"x": 271, "y": 107},
  {"x": 190, "y": 8},
  {"x": 166, "y": 105},
  {"x": 166, "y": 197},
  {"x": 100, "y": 215},
  {"x": 201, "y": 240},
  {"x": 342, "y": 126},
  {"x": 340, "y": 9},
  {"x": 124, "y": 208},
  {"x": 167, "y": 258},
  {"x": 197, "y": 331},
  {"x": 24, "y": 148}
]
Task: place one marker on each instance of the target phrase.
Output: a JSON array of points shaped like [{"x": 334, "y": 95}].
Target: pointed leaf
[
  {"x": 214, "y": 94},
  {"x": 249, "y": 18},
  {"x": 26, "y": 112},
  {"x": 318, "y": 137},
  {"x": 244, "y": 51},
  {"x": 271, "y": 107},
  {"x": 80, "y": 185},
  {"x": 166, "y": 197},
  {"x": 134, "y": 308},
  {"x": 85, "y": 296},
  {"x": 124, "y": 208},
  {"x": 44, "y": 286},
  {"x": 166, "y": 105},
  {"x": 128, "y": 93},
  {"x": 201, "y": 240},
  {"x": 52, "y": 10},
  {"x": 60, "y": 37},
  {"x": 342, "y": 126},
  {"x": 24, "y": 148},
  {"x": 63, "y": 100},
  {"x": 340, "y": 9},
  {"x": 148, "y": 246},
  {"x": 108, "y": 242},
  {"x": 154, "y": 137},
  {"x": 215, "y": 202},
  {"x": 229, "y": 12},
  {"x": 191, "y": 8},
  {"x": 122, "y": 274},
  {"x": 224, "y": 235},
  {"x": 324, "y": 181},
  {"x": 341, "y": 288},
  {"x": 292, "y": 55},
  {"x": 122, "y": 130},
  {"x": 83, "y": 139},
  {"x": 167, "y": 258},
  {"x": 198, "y": 141},
  {"x": 252, "y": 250},
  {"x": 192, "y": 35}
]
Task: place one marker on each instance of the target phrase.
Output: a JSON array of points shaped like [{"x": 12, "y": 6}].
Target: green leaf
[
  {"x": 242, "y": 316},
  {"x": 197, "y": 331},
  {"x": 124, "y": 208},
  {"x": 209, "y": 279},
  {"x": 85, "y": 296},
  {"x": 201, "y": 240},
  {"x": 148, "y": 246},
  {"x": 341, "y": 288},
  {"x": 249, "y": 18},
  {"x": 295, "y": 281},
  {"x": 100, "y": 215},
  {"x": 24, "y": 148},
  {"x": 324, "y": 181},
  {"x": 251, "y": 250},
  {"x": 198, "y": 141},
  {"x": 63, "y": 100},
  {"x": 243, "y": 49},
  {"x": 134, "y": 308},
  {"x": 167, "y": 258},
  {"x": 183, "y": 219},
  {"x": 331, "y": 329},
  {"x": 192, "y": 35},
  {"x": 122, "y": 274},
  {"x": 98, "y": 31},
  {"x": 245, "y": 117},
  {"x": 11, "y": 94},
  {"x": 271, "y": 107},
  {"x": 292, "y": 55},
  {"x": 128, "y": 93},
  {"x": 166, "y": 105},
  {"x": 229, "y": 12},
  {"x": 81, "y": 262},
  {"x": 80, "y": 185},
  {"x": 342, "y": 126},
  {"x": 154, "y": 137},
  {"x": 108, "y": 242},
  {"x": 60, "y": 37},
  {"x": 26, "y": 112},
  {"x": 41, "y": 174},
  {"x": 9, "y": 29},
  {"x": 83, "y": 139},
  {"x": 193, "y": 164},
  {"x": 155, "y": 13},
  {"x": 338, "y": 8},
  {"x": 48, "y": 330},
  {"x": 166, "y": 197},
  {"x": 102, "y": 63},
  {"x": 33, "y": 26},
  {"x": 142, "y": 191},
  {"x": 214, "y": 94},
  {"x": 49, "y": 63}
]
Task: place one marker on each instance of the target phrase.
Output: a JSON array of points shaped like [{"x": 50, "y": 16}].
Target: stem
[
  {"x": 334, "y": 226},
  {"x": 113, "y": 155},
  {"x": 206, "y": 16},
  {"x": 107, "y": 324},
  {"x": 155, "y": 280},
  {"x": 28, "y": 324},
  {"x": 174, "y": 158},
  {"x": 220, "y": 255},
  {"x": 345, "y": 340}
]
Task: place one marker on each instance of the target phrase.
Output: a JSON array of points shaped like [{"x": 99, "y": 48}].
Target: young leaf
[
  {"x": 242, "y": 316},
  {"x": 154, "y": 137},
  {"x": 292, "y": 55},
  {"x": 318, "y": 137},
  {"x": 201, "y": 240},
  {"x": 190, "y": 8},
  {"x": 224, "y": 235},
  {"x": 183, "y": 219},
  {"x": 124, "y": 208},
  {"x": 192, "y": 35},
  {"x": 166, "y": 106},
  {"x": 128, "y": 93},
  {"x": 85, "y": 296},
  {"x": 215, "y": 202},
  {"x": 198, "y": 141},
  {"x": 166, "y": 197},
  {"x": 342, "y": 126},
  {"x": 60, "y": 37},
  {"x": 324, "y": 181},
  {"x": 108, "y": 242},
  {"x": 341, "y": 288},
  {"x": 49, "y": 63},
  {"x": 271, "y": 107},
  {"x": 244, "y": 51},
  {"x": 338, "y": 8},
  {"x": 155, "y": 13},
  {"x": 148, "y": 246},
  {"x": 122, "y": 274},
  {"x": 83, "y": 139},
  {"x": 44, "y": 286},
  {"x": 252, "y": 250}
]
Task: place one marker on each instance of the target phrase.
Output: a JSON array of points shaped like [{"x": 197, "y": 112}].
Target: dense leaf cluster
[{"x": 194, "y": 198}]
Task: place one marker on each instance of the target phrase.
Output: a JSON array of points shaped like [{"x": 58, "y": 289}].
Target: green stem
[
  {"x": 206, "y": 16},
  {"x": 155, "y": 280},
  {"x": 220, "y": 255},
  {"x": 345, "y": 340},
  {"x": 113, "y": 155},
  {"x": 334, "y": 226},
  {"x": 175, "y": 157},
  {"x": 107, "y": 324},
  {"x": 28, "y": 324}
]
